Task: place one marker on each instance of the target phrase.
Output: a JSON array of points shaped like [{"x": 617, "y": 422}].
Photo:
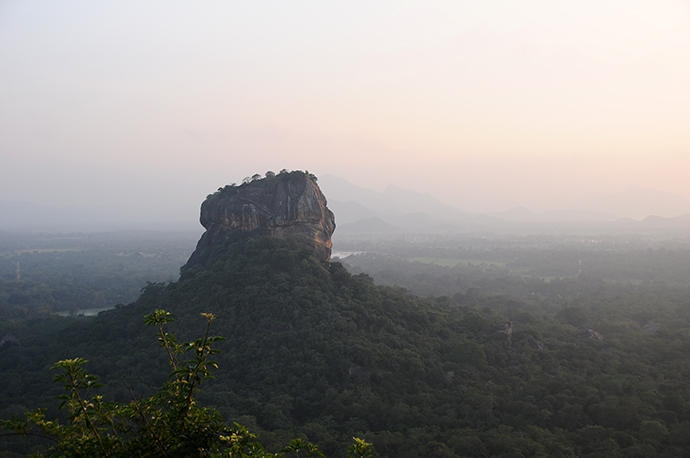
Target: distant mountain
[
  {"x": 414, "y": 212},
  {"x": 359, "y": 203},
  {"x": 515, "y": 214},
  {"x": 634, "y": 203},
  {"x": 679, "y": 225},
  {"x": 350, "y": 212},
  {"x": 407, "y": 210},
  {"x": 367, "y": 226}
]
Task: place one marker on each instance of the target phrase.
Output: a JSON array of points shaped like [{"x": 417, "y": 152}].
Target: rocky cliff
[{"x": 289, "y": 205}]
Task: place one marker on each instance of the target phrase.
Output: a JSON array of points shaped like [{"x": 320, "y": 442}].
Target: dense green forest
[
  {"x": 47, "y": 273},
  {"x": 500, "y": 360}
]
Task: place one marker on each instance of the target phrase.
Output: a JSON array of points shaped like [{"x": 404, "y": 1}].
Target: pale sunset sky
[{"x": 485, "y": 105}]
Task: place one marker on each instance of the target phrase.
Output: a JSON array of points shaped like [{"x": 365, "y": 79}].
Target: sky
[{"x": 143, "y": 108}]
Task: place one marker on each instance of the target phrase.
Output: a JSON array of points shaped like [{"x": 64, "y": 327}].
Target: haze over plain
[{"x": 138, "y": 110}]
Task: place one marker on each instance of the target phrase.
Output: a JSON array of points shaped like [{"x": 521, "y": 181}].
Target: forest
[
  {"x": 494, "y": 260},
  {"x": 445, "y": 346},
  {"x": 46, "y": 273}
]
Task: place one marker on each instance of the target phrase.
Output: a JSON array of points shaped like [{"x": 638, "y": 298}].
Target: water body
[
  {"x": 344, "y": 254},
  {"x": 84, "y": 312}
]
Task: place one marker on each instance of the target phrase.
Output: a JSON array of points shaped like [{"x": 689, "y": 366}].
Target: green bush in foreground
[{"x": 169, "y": 423}]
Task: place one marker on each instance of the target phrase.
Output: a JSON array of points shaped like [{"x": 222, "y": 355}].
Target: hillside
[{"x": 312, "y": 350}]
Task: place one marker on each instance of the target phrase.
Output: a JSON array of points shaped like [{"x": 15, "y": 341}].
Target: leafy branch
[{"x": 169, "y": 423}]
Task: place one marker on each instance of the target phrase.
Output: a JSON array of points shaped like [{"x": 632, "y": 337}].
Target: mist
[
  {"x": 130, "y": 114},
  {"x": 449, "y": 228}
]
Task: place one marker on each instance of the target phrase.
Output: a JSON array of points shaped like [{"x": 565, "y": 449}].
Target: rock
[{"x": 289, "y": 205}]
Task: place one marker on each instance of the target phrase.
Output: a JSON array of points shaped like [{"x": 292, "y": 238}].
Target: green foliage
[
  {"x": 83, "y": 271},
  {"x": 269, "y": 175},
  {"x": 169, "y": 423},
  {"x": 360, "y": 448},
  {"x": 322, "y": 355}
]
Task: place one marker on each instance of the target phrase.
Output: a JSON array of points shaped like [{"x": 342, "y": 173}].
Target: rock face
[{"x": 289, "y": 205}]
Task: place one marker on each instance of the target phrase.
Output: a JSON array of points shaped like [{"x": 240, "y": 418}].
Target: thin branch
[{"x": 147, "y": 428}]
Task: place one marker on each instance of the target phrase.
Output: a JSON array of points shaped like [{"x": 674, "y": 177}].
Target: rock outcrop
[{"x": 289, "y": 205}]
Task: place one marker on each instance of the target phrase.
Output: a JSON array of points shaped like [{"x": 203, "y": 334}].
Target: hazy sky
[{"x": 485, "y": 104}]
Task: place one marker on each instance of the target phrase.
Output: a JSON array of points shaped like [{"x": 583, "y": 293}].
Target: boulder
[{"x": 289, "y": 205}]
